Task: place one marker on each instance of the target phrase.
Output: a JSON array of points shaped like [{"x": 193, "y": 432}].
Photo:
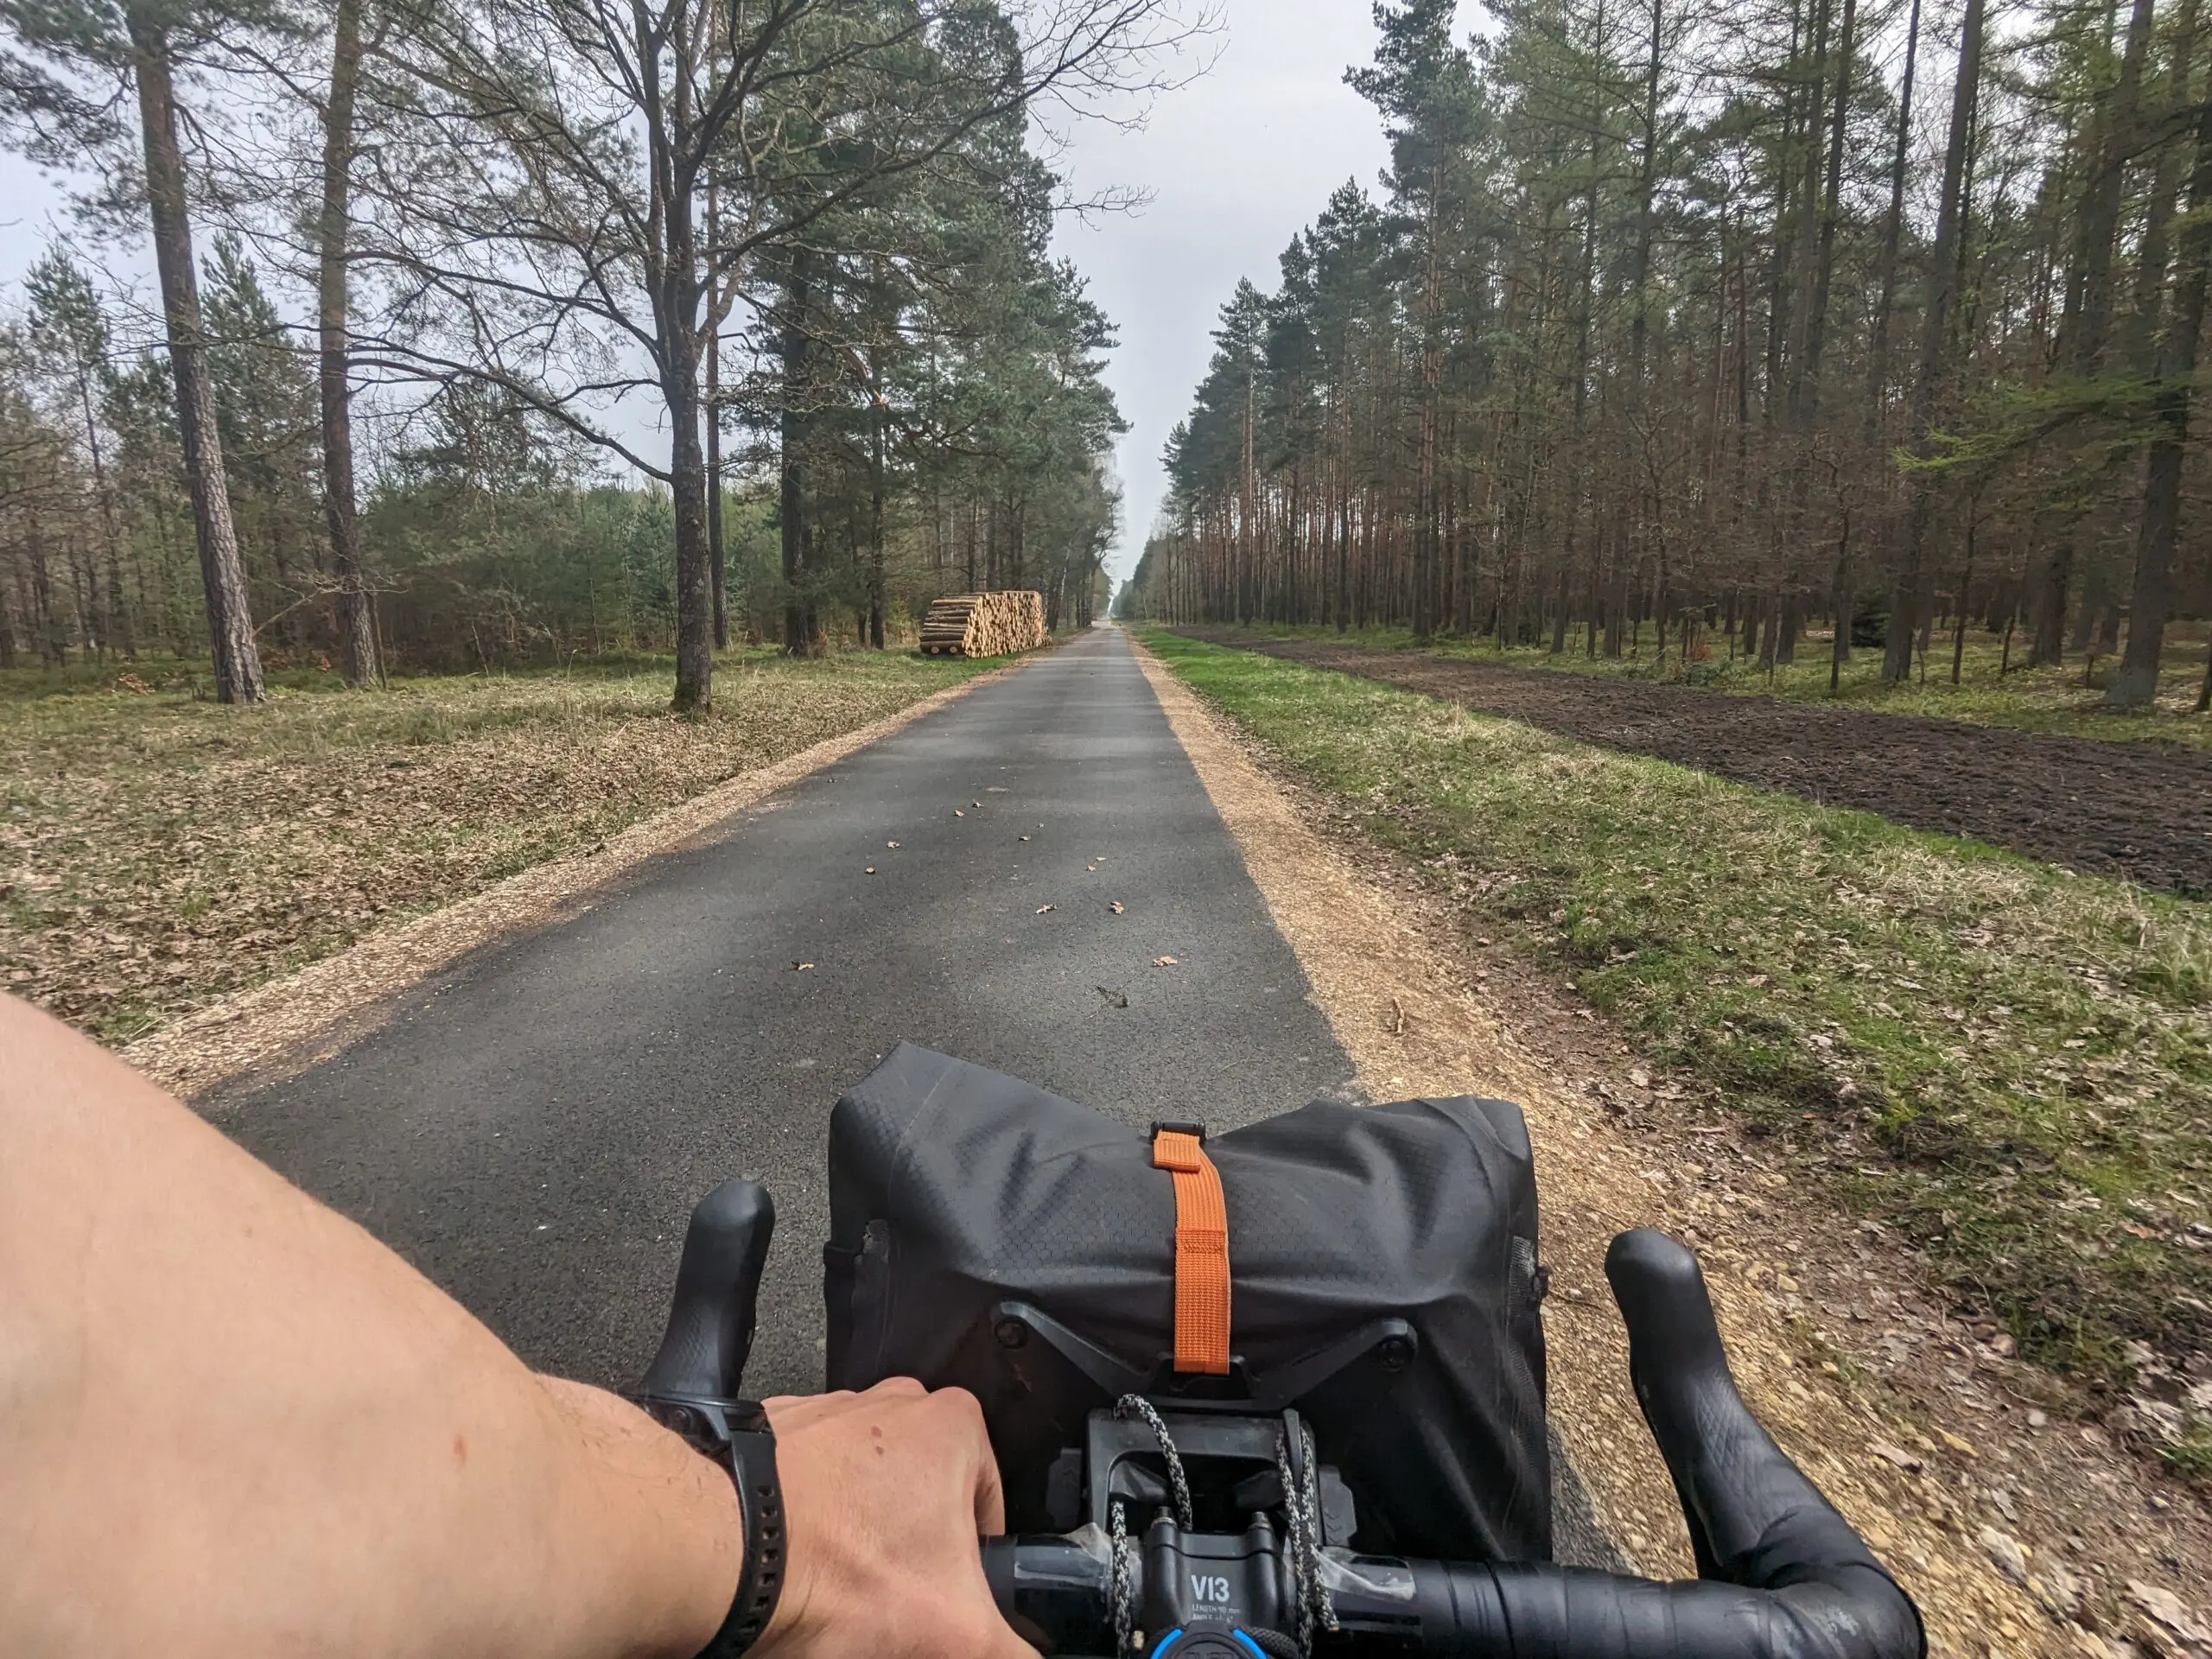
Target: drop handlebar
[{"x": 1781, "y": 1574}]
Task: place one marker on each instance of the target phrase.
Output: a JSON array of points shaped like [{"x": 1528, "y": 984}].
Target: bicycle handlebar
[
  {"x": 717, "y": 1298},
  {"x": 1781, "y": 1574}
]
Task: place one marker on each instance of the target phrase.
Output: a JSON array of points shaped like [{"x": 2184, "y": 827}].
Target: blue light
[{"x": 1165, "y": 1640}]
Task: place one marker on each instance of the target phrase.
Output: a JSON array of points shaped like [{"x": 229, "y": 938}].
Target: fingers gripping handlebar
[{"x": 1781, "y": 1575}]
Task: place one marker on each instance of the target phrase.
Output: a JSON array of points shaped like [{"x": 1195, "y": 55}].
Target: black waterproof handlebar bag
[{"x": 964, "y": 1204}]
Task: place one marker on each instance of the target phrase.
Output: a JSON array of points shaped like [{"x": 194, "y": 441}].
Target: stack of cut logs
[{"x": 984, "y": 624}]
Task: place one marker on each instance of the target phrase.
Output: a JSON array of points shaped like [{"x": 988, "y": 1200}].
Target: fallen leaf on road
[
  {"x": 1024, "y": 837},
  {"x": 1163, "y": 961},
  {"x": 801, "y": 967},
  {"x": 958, "y": 813},
  {"x": 1090, "y": 866},
  {"x": 891, "y": 843},
  {"x": 1041, "y": 909},
  {"x": 1115, "y": 907},
  {"x": 975, "y": 802},
  {"x": 1115, "y": 997},
  {"x": 871, "y": 870}
]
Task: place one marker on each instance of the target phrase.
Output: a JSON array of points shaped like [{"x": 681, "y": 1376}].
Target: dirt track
[{"x": 2136, "y": 811}]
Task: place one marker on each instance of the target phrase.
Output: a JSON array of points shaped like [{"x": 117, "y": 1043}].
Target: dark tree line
[
  {"x": 534, "y": 324},
  {"x": 1676, "y": 318}
]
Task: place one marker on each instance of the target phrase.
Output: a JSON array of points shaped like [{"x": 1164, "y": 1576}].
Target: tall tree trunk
[
  {"x": 1877, "y": 384},
  {"x": 53, "y": 628},
  {"x": 875, "y": 584},
  {"x": 1808, "y": 212},
  {"x": 357, "y": 628},
  {"x": 1425, "y": 506},
  {"x": 687, "y": 485},
  {"x": 236, "y": 653},
  {"x": 800, "y": 632},
  {"x": 717, "y": 553},
  {"x": 1639, "y": 321},
  {"x": 2152, "y": 254},
  {"x": 1816, "y": 319},
  {"x": 1839, "y": 602},
  {"x": 118, "y": 610},
  {"x": 1908, "y": 598},
  {"x": 680, "y": 345},
  {"x": 2136, "y": 686},
  {"x": 2117, "y": 121},
  {"x": 717, "y": 557},
  {"x": 2087, "y": 324}
]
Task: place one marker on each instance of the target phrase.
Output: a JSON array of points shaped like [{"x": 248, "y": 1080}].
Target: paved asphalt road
[{"x": 533, "y": 1127}]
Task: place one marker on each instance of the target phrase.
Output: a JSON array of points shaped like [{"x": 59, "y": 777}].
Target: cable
[
  {"x": 1125, "y": 1597},
  {"x": 1301, "y": 1503},
  {"x": 1124, "y": 1594},
  {"x": 1297, "y": 1469},
  {"x": 1137, "y": 1405}
]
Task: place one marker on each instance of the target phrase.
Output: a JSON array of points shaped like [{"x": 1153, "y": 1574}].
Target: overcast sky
[{"x": 1236, "y": 163}]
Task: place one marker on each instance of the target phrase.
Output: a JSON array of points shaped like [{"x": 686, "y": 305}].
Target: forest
[
  {"x": 495, "y": 332},
  {"x": 1680, "y": 328}
]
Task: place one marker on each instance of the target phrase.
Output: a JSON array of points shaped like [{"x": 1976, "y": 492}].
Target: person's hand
[{"x": 884, "y": 1494}]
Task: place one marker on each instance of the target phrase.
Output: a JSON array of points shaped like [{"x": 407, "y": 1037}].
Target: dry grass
[{"x": 158, "y": 852}]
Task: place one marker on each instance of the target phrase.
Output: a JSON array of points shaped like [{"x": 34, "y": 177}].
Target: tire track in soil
[{"x": 2138, "y": 811}]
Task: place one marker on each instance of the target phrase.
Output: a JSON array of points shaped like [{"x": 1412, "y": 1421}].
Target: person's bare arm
[{"x": 233, "y": 1424}]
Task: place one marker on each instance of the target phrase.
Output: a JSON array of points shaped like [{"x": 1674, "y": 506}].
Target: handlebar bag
[{"x": 953, "y": 1189}]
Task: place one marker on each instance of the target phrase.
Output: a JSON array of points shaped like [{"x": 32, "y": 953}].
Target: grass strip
[
  {"x": 2011, "y": 1062},
  {"x": 2066, "y": 700},
  {"x": 158, "y": 850}
]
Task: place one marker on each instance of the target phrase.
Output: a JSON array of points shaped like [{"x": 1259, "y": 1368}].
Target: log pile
[{"x": 984, "y": 624}]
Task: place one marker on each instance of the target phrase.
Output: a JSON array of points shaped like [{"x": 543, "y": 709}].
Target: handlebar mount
[{"x": 1214, "y": 1530}]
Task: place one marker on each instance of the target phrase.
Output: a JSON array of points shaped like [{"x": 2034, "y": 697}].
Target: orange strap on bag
[{"x": 1201, "y": 1249}]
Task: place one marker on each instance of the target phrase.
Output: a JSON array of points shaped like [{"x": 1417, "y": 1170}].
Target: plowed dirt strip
[
  {"x": 1404, "y": 1012},
  {"x": 2136, "y": 811}
]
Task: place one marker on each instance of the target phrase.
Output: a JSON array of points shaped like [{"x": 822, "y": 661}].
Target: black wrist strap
[{"x": 736, "y": 1433}]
